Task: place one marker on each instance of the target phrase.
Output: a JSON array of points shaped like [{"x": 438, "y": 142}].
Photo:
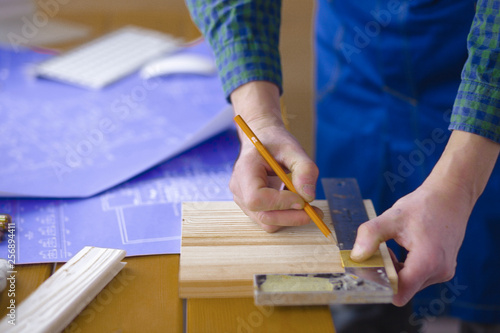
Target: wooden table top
[{"x": 144, "y": 297}]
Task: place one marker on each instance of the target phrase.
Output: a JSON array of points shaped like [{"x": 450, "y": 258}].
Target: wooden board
[
  {"x": 222, "y": 249},
  {"x": 53, "y": 305}
]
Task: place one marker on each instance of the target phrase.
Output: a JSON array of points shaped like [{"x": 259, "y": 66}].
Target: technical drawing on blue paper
[
  {"x": 60, "y": 141},
  {"x": 141, "y": 216}
]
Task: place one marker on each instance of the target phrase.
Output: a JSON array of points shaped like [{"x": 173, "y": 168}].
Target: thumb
[{"x": 370, "y": 235}]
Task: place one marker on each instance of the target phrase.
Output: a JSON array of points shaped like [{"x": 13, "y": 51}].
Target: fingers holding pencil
[
  {"x": 264, "y": 196},
  {"x": 272, "y": 208},
  {"x": 259, "y": 195}
]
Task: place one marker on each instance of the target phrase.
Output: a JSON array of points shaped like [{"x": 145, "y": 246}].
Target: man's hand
[
  {"x": 431, "y": 221},
  {"x": 254, "y": 186}
]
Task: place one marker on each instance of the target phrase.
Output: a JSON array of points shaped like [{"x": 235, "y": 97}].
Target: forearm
[
  {"x": 465, "y": 165},
  {"x": 244, "y": 35}
]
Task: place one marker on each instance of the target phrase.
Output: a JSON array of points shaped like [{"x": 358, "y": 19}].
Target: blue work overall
[{"x": 387, "y": 76}]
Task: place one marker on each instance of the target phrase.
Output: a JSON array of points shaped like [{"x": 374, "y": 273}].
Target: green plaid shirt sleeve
[
  {"x": 477, "y": 105},
  {"x": 244, "y": 35}
]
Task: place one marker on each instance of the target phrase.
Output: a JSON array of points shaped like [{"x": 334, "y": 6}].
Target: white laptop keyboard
[{"x": 108, "y": 58}]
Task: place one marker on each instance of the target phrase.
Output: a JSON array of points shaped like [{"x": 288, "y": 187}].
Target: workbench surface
[{"x": 143, "y": 297}]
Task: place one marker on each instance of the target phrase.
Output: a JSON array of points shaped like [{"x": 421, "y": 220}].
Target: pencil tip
[{"x": 331, "y": 239}]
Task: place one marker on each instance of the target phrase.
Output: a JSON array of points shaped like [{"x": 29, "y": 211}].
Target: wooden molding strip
[{"x": 52, "y": 306}]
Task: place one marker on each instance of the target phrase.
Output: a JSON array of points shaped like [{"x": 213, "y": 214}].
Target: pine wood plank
[
  {"x": 143, "y": 297},
  {"x": 222, "y": 249},
  {"x": 61, "y": 297},
  {"x": 241, "y": 315},
  {"x": 222, "y": 223}
]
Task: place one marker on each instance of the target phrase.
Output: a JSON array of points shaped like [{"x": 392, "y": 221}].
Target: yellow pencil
[{"x": 282, "y": 175}]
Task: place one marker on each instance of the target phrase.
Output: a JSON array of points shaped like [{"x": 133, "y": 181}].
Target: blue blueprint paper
[
  {"x": 141, "y": 216},
  {"x": 60, "y": 141}
]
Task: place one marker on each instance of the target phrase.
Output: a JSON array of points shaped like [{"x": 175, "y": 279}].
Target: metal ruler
[
  {"x": 346, "y": 208},
  {"x": 359, "y": 283}
]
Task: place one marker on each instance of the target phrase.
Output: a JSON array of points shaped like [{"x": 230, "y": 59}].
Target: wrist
[
  {"x": 465, "y": 166},
  {"x": 258, "y": 103}
]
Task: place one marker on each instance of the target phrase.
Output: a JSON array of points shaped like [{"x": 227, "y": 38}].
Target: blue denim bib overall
[{"x": 387, "y": 75}]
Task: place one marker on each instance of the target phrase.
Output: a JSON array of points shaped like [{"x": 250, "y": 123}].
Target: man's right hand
[{"x": 253, "y": 183}]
